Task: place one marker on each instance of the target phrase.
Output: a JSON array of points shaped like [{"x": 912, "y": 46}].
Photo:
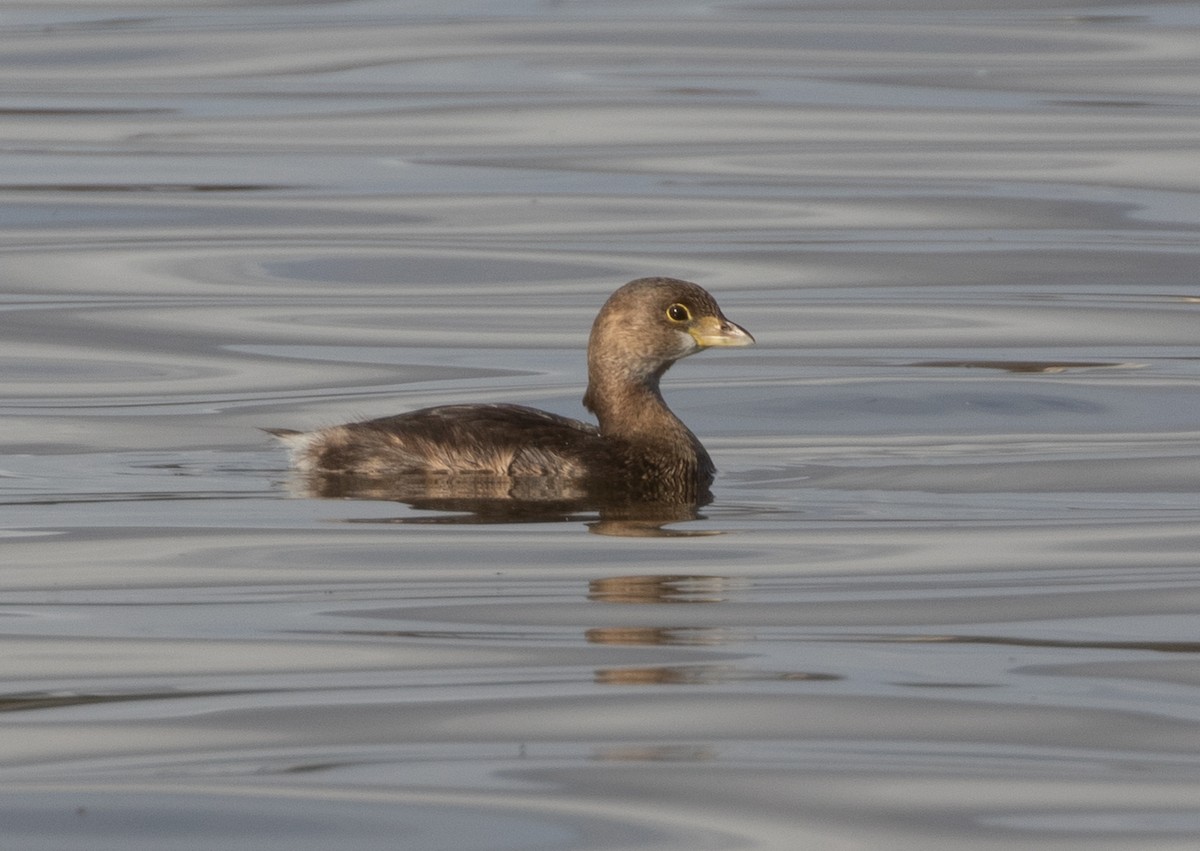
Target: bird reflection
[
  {"x": 669, "y": 588},
  {"x": 459, "y": 499},
  {"x": 646, "y": 636},
  {"x": 672, "y": 589},
  {"x": 675, "y": 675}
]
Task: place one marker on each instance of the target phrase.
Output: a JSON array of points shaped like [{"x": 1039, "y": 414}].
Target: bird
[{"x": 638, "y": 446}]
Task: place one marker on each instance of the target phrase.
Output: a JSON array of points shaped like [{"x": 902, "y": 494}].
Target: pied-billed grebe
[{"x": 643, "y": 328}]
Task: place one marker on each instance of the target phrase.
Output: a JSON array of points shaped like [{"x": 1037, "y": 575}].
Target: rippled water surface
[{"x": 949, "y": 589}]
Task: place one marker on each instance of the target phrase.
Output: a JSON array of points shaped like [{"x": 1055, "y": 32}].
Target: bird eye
[{"x": 678, "y": 313}]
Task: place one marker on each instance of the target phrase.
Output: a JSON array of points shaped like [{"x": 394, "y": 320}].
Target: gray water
[{"x": 946, "y": 594}]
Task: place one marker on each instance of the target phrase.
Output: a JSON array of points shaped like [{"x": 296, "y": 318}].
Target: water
[{"x": 947, "y": 591}]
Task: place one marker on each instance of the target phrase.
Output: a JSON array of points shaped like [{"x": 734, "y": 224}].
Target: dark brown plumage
[{"x": 643, "y": 328}]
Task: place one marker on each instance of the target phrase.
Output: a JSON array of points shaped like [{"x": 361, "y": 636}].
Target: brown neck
[
  {"x": 631, "y": 411},
  {"x": 635, "y": 412}
]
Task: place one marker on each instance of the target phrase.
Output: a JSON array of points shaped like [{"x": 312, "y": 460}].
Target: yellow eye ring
[{"x": 678, "y": 313}]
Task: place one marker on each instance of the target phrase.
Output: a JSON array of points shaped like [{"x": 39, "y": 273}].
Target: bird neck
[{"x": 634, "y": 411}]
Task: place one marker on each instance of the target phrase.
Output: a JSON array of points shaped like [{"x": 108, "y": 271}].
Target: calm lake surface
[{"x": 947, "y": 594}]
